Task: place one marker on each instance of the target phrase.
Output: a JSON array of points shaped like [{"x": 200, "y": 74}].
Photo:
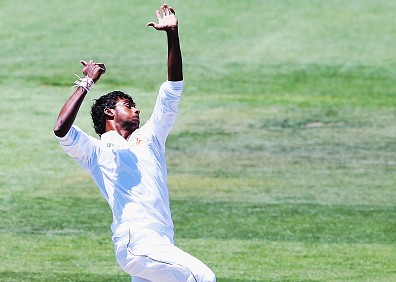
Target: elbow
[{"x": 59, "y": 131}]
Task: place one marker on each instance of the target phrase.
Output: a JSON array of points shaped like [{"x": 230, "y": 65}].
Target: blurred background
[{"x": 282, "y": 160}]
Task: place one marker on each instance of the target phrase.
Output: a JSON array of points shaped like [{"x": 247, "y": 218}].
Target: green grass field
[{"x": 282, "y": 163}]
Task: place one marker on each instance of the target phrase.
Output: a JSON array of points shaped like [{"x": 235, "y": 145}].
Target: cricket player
[{"x": 128, "y": 165}]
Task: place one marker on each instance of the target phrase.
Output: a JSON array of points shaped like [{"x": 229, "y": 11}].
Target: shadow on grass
[
  {"x": 88, "y": 277},
  {"x": 237, "y": 280},
  {"x": 48, "y": 276},
  {"x": 43, "y": 276}
]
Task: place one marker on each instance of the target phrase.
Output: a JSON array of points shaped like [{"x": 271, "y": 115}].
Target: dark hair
[{"x": 107, "y": 101}]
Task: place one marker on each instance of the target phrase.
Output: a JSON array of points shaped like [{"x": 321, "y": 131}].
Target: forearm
[
  {"x": 69, "y": 112},
  {"x": 175, "y": 62},
  {"x": 92, "y": 72}
]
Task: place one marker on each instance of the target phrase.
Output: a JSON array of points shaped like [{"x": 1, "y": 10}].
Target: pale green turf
[{"x": 282, "y": 163}]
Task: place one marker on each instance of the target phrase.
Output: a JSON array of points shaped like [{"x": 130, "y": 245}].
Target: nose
[{"x": 137, "y": 111}]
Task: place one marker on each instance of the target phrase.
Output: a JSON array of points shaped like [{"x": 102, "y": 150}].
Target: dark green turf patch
[
  {"x": 285, "y": 222},
  {"x": 227, "y": 220},
  {"x": 41, "y": 215}
]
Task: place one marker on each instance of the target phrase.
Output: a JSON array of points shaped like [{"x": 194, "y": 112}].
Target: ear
[{"x": 109, "y": 113}]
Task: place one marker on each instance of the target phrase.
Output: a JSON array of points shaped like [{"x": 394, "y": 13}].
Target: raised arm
[
  {"x": 92, "y": 72},
  {"x": 168, "y": 22}
]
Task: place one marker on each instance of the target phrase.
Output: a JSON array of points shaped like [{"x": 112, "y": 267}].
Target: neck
[{"x": 122, "y": 131}]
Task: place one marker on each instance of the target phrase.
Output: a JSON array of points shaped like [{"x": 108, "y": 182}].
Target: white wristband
[{"x": 85, "y": 82}]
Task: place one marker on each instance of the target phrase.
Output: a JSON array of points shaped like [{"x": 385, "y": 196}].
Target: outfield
[{"x": 282, "y": 163}]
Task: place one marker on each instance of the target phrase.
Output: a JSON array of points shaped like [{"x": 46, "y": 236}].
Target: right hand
[{"x": 93, "y": 70}]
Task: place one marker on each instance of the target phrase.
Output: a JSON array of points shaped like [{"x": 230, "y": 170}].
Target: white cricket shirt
[{"x": 132, "y": 174}]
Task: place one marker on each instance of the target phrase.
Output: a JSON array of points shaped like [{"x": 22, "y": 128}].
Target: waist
[{"x": 126, "y": 228}]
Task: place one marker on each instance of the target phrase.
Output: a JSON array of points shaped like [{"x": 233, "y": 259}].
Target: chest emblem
[{"x": 138, "y": 141}]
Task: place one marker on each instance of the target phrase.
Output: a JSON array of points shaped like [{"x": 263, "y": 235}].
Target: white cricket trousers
[{"x": 149, "y": 256}]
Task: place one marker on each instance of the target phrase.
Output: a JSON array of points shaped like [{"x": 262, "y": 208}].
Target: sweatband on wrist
[{"x": 85, "y": 82}]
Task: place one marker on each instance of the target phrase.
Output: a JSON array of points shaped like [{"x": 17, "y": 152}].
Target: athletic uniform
[{"x": 132, "y": 176}]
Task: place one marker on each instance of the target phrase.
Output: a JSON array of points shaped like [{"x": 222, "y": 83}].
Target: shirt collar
[{"x": 114, "y": 137}]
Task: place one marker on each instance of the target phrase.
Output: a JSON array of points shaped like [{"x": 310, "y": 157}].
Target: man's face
[{"x": 126, "y": 114}]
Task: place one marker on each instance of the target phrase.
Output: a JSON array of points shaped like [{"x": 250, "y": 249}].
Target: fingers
[
  {"x": 151, "y": 24},
  {"x": 84, "y": 63},
  {"x": 102, "y": 67},
  {"x": 92, "y": 62},
  {"x": 166, "y": 18},
  {"x": 98, "y": 67},
  {"x": 166, "y": 10},
  {"x": 92, "y": 67},
  {"x": 157, "y": 12}
]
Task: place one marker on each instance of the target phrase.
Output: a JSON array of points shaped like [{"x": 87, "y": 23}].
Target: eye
[{"x": 128, "y": 104}]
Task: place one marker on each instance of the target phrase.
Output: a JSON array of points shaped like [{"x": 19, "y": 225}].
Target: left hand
[{"x": 166, "y": 19}]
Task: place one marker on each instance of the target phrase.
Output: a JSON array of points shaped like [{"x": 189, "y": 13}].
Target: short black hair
[{"x": 107, "y": 101}]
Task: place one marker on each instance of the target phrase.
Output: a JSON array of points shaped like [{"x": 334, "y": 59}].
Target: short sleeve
[{"x": 80, "y": 146}]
